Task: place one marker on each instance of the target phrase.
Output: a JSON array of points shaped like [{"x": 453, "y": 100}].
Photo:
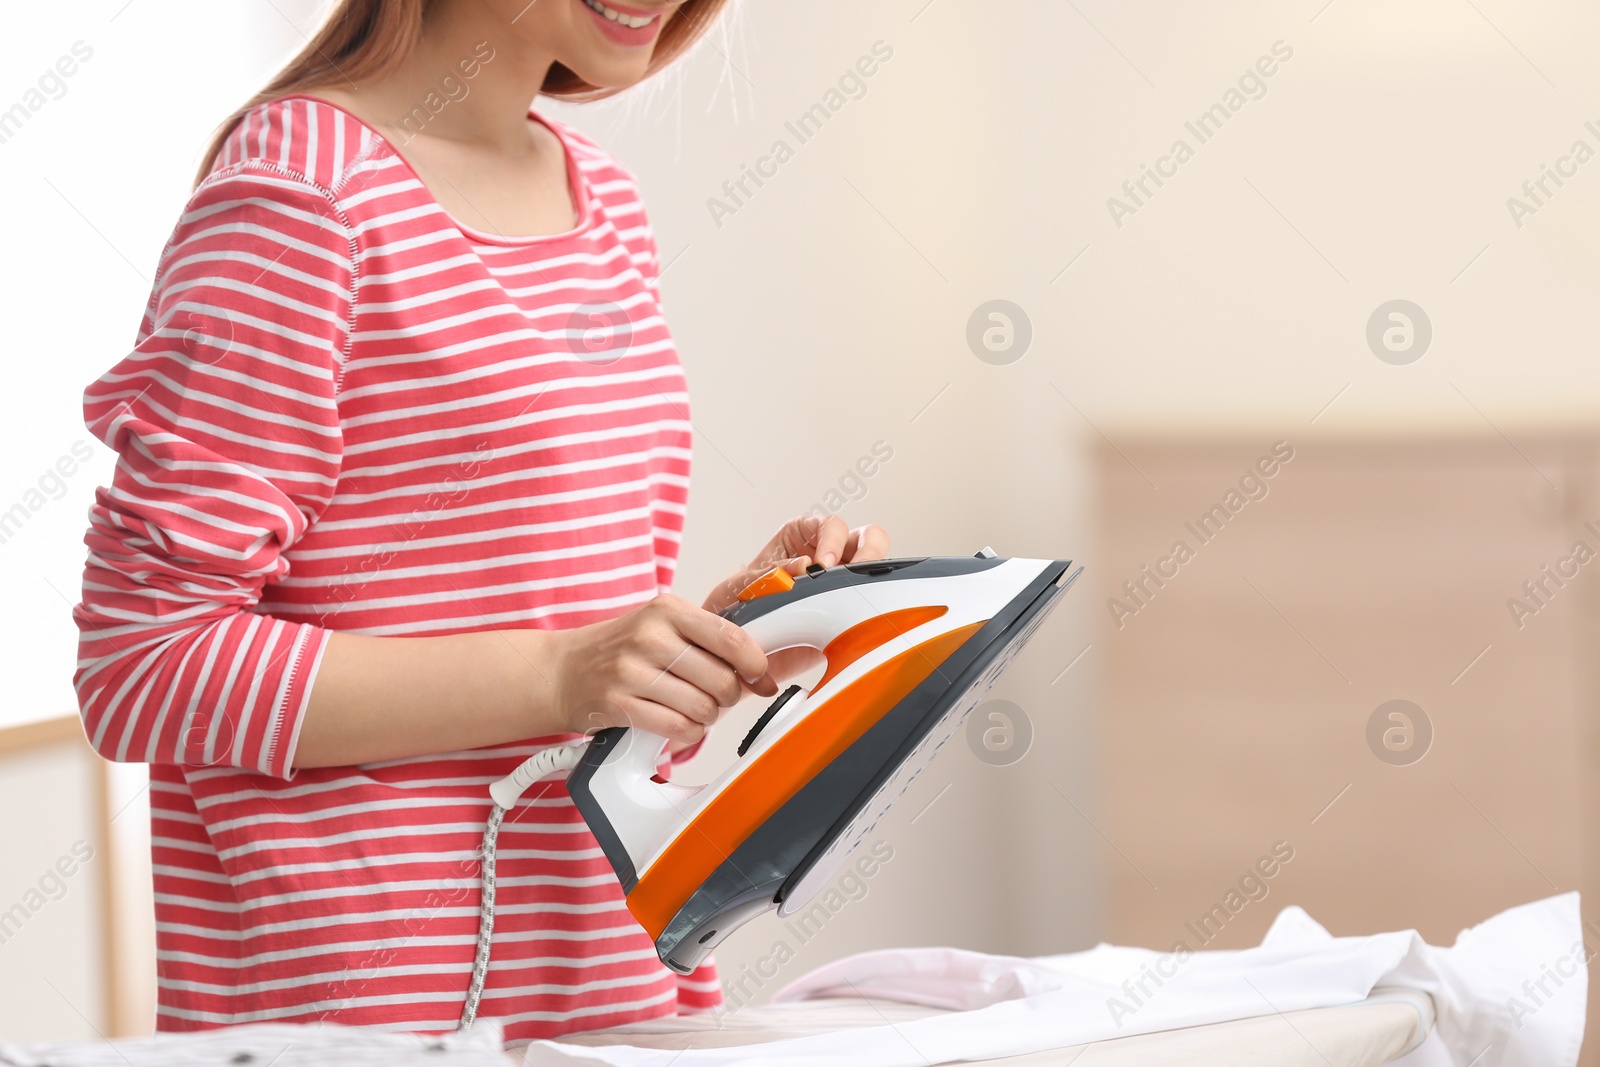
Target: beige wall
[
  {"x": 992, "y": 141},
  {"x": 827, "y": 312}
]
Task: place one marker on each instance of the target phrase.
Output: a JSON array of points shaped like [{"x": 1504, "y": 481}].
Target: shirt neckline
[{"x": 577, "y": 188}]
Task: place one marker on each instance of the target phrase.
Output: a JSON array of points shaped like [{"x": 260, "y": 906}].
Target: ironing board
[
  {"x": 1365, "y": 1034},
  {"x": 1375, "y": 1031}
]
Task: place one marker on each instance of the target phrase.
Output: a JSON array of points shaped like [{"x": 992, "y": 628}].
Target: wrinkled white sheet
[{"x": 1511, "y": 992}]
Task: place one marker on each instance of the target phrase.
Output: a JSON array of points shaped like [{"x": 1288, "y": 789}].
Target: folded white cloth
[{"x": 1510, "y": 993}]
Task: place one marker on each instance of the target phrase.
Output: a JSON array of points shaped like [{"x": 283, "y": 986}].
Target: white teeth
[{"x": 631, "y": 21}]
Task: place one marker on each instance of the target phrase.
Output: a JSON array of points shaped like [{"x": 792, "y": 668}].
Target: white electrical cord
[{"x": 506, "y": 792}]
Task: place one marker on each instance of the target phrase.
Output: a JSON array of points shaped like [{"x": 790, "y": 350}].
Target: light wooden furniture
[
  {"x": 60, "y": 949},
  {"x": 1237, "y": 697}
]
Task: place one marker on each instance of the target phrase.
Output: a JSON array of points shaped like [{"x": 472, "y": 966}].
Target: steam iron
[{"x": 911, "y": 645}]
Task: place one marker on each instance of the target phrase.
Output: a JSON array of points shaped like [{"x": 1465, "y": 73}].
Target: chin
[
  {"x": 606, "y": 75},
  {"x": 613, "y": 53}
]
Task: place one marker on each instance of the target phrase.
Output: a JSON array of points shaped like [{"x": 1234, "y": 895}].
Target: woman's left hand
[{"x": 801, "y": 542}]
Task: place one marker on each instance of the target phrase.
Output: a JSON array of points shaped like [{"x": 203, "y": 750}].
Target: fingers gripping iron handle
[
  {"x": 614, "y": 784},
  {"x": 625, "y": 761},
  {"x": 615, "y": 787},
  {"x": 804, "y": 622}
]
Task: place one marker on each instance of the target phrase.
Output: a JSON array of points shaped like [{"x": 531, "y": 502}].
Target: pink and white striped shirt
[{"x": 346, "y": 411}]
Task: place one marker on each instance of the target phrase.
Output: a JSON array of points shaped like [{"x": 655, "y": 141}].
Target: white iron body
[{"x": 912, "y": 646}]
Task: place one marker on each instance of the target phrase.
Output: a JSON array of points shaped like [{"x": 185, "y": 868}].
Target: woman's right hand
[{"x": 667, "y": 668}]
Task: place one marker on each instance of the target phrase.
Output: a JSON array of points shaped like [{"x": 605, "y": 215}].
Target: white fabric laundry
[{"x": 1511, "y": 992}]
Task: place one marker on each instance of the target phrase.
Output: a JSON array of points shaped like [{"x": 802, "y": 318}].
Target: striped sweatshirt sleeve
[{"x": 225, "y": 423}]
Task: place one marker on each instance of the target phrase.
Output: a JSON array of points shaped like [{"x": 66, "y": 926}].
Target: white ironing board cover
[
  {"x": 1361, "y": 1035},
  {"x": 1373, "y": 1032},
  {"x": 271, "y": 1045}
]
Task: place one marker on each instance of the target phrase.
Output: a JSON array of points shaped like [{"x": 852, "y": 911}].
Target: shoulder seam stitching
[{"x": 244, "y": 165}]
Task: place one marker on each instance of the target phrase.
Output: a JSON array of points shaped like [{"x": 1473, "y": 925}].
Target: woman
[{"x": 403, "y": 459}]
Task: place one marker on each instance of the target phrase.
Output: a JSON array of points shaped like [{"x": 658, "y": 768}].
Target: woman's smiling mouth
[{"x": 627, "y": 27}]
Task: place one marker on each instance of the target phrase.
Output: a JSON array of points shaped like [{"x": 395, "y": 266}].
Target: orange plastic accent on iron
[
  {"x": 777, "y": 580},
  {"x": 863, "y": 637},
  {"x": 792, "y": 761}
]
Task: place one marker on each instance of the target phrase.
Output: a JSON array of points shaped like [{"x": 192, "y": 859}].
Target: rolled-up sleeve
[{"x": 225, "y": 423}]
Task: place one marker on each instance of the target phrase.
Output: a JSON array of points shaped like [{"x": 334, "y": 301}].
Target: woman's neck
[{"x": 490, "y": 107}]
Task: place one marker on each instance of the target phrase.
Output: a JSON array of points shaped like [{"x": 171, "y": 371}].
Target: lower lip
[{"x": 625, "y": 35}]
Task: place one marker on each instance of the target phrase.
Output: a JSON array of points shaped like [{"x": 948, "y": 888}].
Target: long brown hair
[{"x": 364, "y": 39}]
